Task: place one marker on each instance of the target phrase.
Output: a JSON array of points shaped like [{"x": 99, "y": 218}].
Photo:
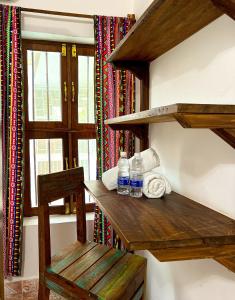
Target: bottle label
[
  {"x": 136, "y": 183},
  {"x": 123, "y": 180}
]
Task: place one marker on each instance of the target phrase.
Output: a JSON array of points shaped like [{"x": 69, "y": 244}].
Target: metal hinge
[
  {"x": 74, "y": 51},
  {"x": 63, "y": 50}
]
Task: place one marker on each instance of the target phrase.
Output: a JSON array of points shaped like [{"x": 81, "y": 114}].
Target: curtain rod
[
  {"x": 58, "y": 13},
  {"x": 65, "y": 14}
]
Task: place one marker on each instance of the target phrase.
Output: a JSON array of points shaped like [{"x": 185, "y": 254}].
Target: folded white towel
[
  {"x": 155, "y": 185},
  {"x": 150, "y": 161}
]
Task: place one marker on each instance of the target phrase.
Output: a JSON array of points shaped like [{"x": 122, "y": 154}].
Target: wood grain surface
[
  {"x": 165, "y": 24},
  {"x": 171, "y": 222},
  {"x": 187, "y": 114},
  {"x": 217, "y": 117}
]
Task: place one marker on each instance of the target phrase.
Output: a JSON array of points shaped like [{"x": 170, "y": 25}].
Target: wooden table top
[{"x": 171, "y": 222}]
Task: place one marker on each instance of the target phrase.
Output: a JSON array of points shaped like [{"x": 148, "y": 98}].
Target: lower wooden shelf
[{"x": 171, "y": 228}]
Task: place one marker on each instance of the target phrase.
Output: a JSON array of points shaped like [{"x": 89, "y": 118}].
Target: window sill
[{"x": 56, "y": 219}]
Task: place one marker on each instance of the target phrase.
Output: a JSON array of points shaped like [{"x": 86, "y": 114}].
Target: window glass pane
[
  {"x": 44, "y": 86},
  {"x": 86, "y": 89},
  {"x": 87, "y": 159},
  {"x": 54, "y": 86},
  {"x": 46, "y": 156}
]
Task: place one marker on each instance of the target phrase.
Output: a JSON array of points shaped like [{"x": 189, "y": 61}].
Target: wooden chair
[{"x": 85, "y": 270}]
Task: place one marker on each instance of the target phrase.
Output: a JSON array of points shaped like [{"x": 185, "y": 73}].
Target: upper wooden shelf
[
  {"x": 188, "y": 115},
  {"x": 165, "y": 24},
  {"x": 172, "y": 228},
  {"x": 219, "y": 118}
]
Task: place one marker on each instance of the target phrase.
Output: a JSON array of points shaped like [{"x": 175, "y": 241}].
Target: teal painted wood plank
[
  {"x": 84, "y": 263},
  {"x": 71, "y": 257},
  {"x": 122, "y": 279},
  {"x": 99, "y": 269},
  {"x": 65, "y": 252}
]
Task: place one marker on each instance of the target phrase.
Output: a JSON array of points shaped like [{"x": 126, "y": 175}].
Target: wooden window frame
[{"x": 68, "y": 129}]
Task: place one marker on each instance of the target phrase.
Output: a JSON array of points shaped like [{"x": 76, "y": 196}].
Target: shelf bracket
[
  {"x": 140, "y": 131},
  {"x": 139, "y": 69},
  {"x": 228, "y": 262},
  {"x": 228, "y": 135}
]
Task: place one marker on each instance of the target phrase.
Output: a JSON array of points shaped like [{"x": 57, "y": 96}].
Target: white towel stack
[
  {"x": 155, "y": 185},
  {"x": 150, "y": 161}
]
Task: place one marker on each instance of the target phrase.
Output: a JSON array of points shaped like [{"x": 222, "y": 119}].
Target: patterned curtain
[
  {"x": 12, "y": 133},
  {"x": 115, "y": 96}
]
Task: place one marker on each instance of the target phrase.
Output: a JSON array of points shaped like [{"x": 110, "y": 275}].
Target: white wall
[
  {"x": 198, "y": 163},
  {"x": 140, "y": 6}
]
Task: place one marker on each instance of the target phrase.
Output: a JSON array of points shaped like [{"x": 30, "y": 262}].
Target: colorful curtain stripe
[
  {"x": 12, "y": 132},
  {"x": 115, "y": 96}
]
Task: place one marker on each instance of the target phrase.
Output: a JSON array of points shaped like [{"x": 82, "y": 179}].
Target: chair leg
[{"x": 43, "y": 292}]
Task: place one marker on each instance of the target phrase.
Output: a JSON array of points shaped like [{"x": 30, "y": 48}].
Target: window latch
[
  {"x": 74, "y": 51},
  {"x": 63, "y": 50}
]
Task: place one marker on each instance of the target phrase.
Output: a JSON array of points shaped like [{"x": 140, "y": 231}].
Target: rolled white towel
[
  {"x": 109, "y": 178},
  {"x": 155, "y": 185},
  {"x": 150, "y": 160}
]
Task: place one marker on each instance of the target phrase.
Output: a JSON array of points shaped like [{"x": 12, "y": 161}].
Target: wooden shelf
[
  {"x": 172, "y": 228},
  {"x": 165, "y": 24},
  {"x": 188, "y": 115},
  {"x": 219, "y": 118}
]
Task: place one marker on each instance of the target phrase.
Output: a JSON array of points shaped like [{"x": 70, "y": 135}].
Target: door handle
[
  {"x": 65, "y": 92},
  {"x": 75, "y": 162},
  {"x": 66, "y": 163},
  {"x": 73, "y": 92}
]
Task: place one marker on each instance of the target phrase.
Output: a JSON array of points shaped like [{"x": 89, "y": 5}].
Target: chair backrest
[{"x": 52, "y": 187}]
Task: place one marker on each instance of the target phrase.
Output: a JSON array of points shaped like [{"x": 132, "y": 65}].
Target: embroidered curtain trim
[{"x": 12, "y": 133}]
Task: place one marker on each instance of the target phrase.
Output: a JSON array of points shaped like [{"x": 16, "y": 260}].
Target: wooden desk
[{"x": 172, "y": 228}]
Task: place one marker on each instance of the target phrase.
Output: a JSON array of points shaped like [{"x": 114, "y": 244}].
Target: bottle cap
[{"x": 123, "y": 154}]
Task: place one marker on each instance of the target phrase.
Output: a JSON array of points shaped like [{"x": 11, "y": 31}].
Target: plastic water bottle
[
  {"x": 136, "y": 176},
  {"x": 123, "y": 175}
]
